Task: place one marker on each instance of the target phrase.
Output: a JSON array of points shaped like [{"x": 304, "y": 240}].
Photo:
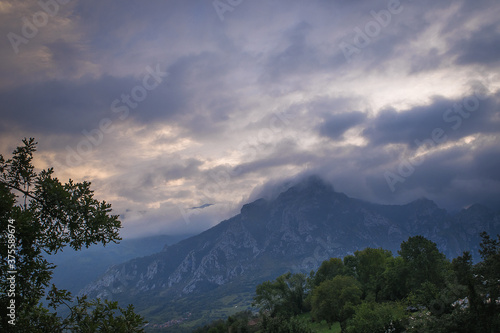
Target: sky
[{"x": 181, "y": 111}]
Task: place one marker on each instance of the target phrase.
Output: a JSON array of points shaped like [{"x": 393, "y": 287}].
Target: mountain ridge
[{"x": 303, "y": 226}]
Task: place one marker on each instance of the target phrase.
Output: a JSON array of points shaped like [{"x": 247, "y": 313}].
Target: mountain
[
  {"x": 218, "y": 269},
  {"x": 76, "y": 269}
]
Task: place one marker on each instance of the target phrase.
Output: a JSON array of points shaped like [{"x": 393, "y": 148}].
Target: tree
[
  {"x": 334, "y": 300},
  {"x": 327, "y": 271},
  {"x": 371, "y": 317},
  {"x": 394, "y": 280},
  {"x": 281, "y": 297},
  {"x": 371, "y": 264},
  {"x": 424, "y": 262},
  {"x": 284, "y": 325},
  {"x": 489, "y": 268},
  {"x": 238, "y": 322},
  {"x": 471, "y": 301},
  {"x": 487, "y": 278},
  {"x": 40, "y": 215},
  {"x": 350, "y": 265}
]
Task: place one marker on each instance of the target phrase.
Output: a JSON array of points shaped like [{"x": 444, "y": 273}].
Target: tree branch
[{"x": 26, "y": 193}]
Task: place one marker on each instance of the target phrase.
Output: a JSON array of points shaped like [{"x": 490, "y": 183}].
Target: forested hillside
[{"x": 372, "y": 291}]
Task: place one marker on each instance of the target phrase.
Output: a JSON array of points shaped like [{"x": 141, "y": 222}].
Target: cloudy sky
[{"x": 180, "y": 111}]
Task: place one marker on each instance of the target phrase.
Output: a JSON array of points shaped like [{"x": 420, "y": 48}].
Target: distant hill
[
  {"x": 211, "y": 274},
  {"x": 76, "y": 269}
]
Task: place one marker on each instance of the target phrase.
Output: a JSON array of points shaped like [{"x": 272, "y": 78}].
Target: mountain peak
[
  {"x": 307, "y": 223},
  {"x": 314, "y": 181},
  {"x": 309, "y": 186},
  {"x": 253, "y": 207},
  {"x": 423, "y": 202},
  {"x": 477, "y": 208}
]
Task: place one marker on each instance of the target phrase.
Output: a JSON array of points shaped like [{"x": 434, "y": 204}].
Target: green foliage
[
  {"x": 458, "y": 321},
  {"x": 489, "y": 268},
  {"x": 366, "y": 291},
  {"x": 370, "y": 265},
  {"x": 350, "y": 265},
  {"x": 95, "y": 315},
  {"x": 40, "y": 215},
  {"x": 239, "y": 322},
  {"x": 484, "y": 294},
  {"x": 282, "y": 297},
  {"x": 394, "y": 280},
  {"x": 334, "y": 300},
  {"x": 476, "y": 287},
  {"x": 324, "y": 327},
  {"x": 283, "y": 324},
  {"x": 327, "y": 271},
  {"x": 371, "y": 317},
  {"x": 424, "y": 262}
]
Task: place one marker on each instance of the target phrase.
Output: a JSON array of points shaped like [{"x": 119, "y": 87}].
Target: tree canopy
[
  {"x": 39, "y": 216},
  {"x": 418, "y": 291},
  {"x": 334, "y": 300}
]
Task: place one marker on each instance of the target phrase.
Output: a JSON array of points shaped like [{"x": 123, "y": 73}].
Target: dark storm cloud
[
  {"x": 74, "y": 106},
  {"x": 379, "y": 52},
  {"x": 482, "y": 47},
  {"x": 193, "y": 83},
  {"x": 454, "y": 119},
  {"x": 453, "y": 178},
  {"x": 165, "y": 172},
  {"x": 377, "y": 35},
  {"x": 334, "y": 126},
  {"x": 426, "y": 62},
  {"x": 139, "y": 183},
  {"x": 326, "y": 106},
  {"x": 299, "y": 57},
  {"x": 61, "y": 106},
  {"x": 285, "y": 153},
  {"x": 198, "y": 84},
  {"x": 456, "y": 177},
  {"x": 65, "y": 56},
  {"x": 196, "y": 94},
  {"x": 469, "y": 10},
  {"x": 486, "y": 163},
  {"x": 391, "y": 126},
  {"x": 118, "y": 25}
]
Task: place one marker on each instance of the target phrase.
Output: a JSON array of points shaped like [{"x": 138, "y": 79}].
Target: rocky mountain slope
[
  {"x": 296, "y": 231},
  {"x": 76, "y": 269}
]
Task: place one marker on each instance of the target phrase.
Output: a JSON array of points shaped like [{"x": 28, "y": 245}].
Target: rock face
[{"x": 296, "y": 231}]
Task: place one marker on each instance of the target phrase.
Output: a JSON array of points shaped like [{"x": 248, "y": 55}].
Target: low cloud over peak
[{"x": 172, "y": 105}]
